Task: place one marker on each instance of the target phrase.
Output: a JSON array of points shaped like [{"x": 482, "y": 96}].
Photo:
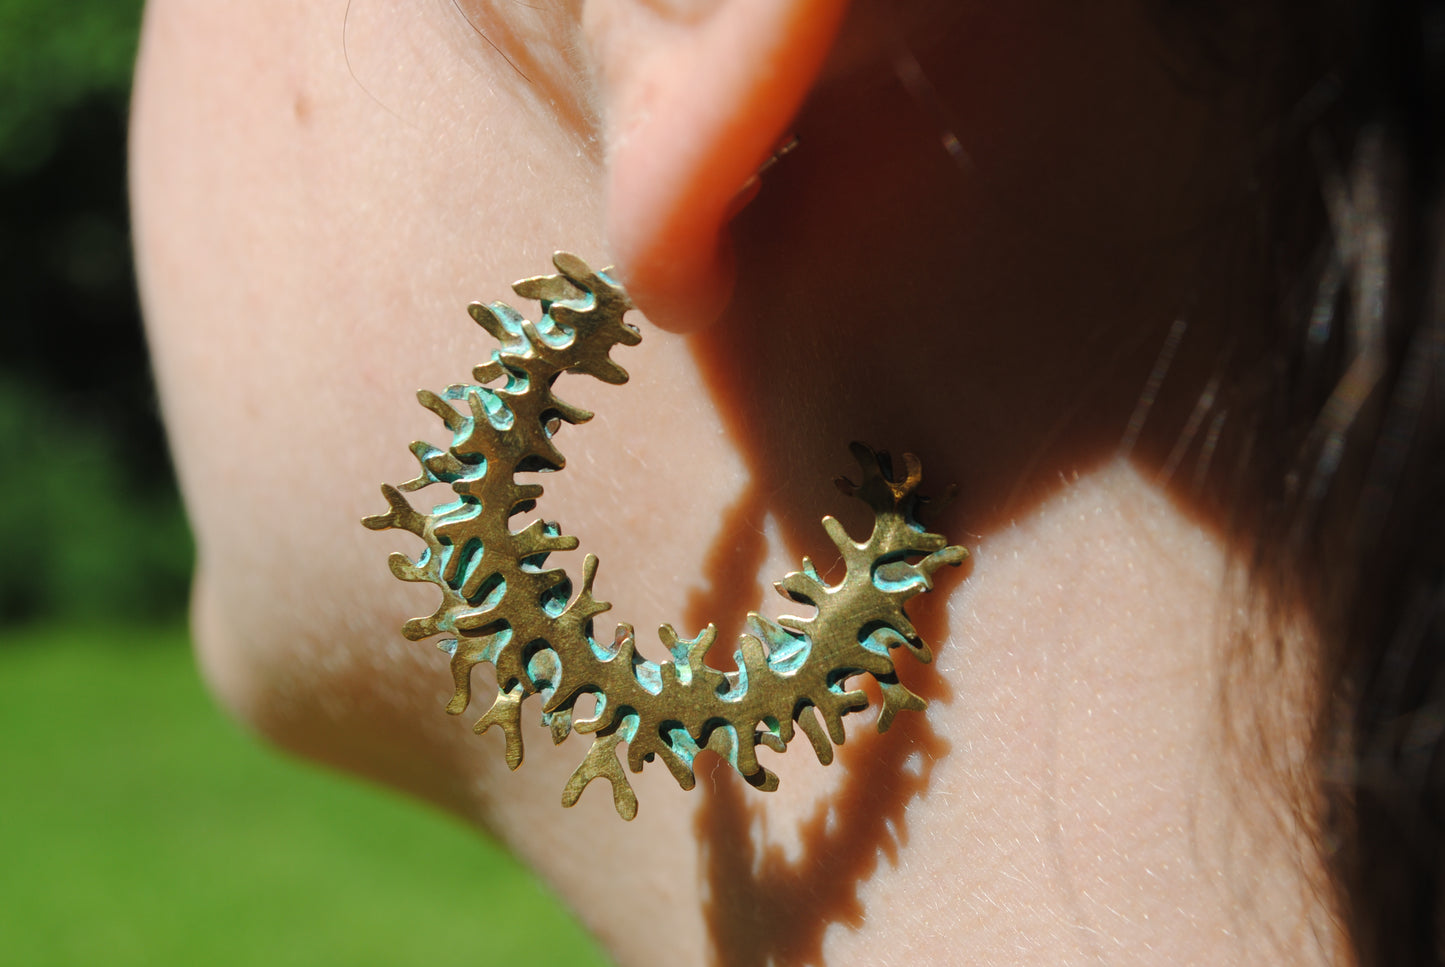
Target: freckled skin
[{"x": 312, "y": 220}]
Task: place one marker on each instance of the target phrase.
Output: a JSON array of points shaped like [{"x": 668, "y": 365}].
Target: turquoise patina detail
[{"x": 503, "y": 606}]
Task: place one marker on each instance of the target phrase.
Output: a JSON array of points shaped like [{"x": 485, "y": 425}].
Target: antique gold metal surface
[{"x": 501, "y": 605}]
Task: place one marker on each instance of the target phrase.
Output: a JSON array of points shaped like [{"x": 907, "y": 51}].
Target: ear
[{"x": 696, "y": 95}]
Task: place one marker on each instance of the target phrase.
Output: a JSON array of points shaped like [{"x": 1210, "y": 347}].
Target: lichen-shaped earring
[{"x": 502, "y": 605}]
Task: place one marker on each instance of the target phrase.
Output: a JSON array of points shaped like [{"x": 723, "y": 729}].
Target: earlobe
[{"x": 696, "y": 95}]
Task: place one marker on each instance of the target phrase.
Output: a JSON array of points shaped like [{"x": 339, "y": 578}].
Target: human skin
[{"x": 312, "y": 216}]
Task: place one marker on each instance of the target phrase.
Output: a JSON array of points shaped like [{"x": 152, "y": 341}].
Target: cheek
[{"x": 308, "y": 232}]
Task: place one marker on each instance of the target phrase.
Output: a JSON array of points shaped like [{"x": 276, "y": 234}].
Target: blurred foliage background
[
  {"x": 89, "y": 519},
  {"x": 137, "y": 824}
]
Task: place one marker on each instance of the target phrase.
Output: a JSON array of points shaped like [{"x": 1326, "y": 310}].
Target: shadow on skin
[
  {"x": 733, "y": 572},
  {"x": 1007, "y": 350},
  {"x": 760, "y": 906},
  {"x": 893, "y": 375}
]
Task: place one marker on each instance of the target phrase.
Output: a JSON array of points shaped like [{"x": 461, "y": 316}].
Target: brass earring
[{"x": 502, "y": 606}]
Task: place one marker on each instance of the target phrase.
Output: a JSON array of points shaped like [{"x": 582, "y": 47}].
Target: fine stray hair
[{"x": 1345, "y": 474}]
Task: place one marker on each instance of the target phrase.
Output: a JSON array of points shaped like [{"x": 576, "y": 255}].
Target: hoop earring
[{"x": 502, "y": 606}]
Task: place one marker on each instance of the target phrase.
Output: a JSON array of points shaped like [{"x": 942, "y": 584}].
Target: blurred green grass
[{"x": 138, "y": 826}]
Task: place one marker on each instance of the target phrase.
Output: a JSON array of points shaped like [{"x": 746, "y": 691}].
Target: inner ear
[{"x": 696, "y": 95}]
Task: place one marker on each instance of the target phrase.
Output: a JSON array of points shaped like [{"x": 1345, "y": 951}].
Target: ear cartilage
[{"x": 501, "y": 605}]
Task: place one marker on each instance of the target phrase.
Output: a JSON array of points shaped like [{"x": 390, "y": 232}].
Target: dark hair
[{"x": 1345, "y": 470}]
